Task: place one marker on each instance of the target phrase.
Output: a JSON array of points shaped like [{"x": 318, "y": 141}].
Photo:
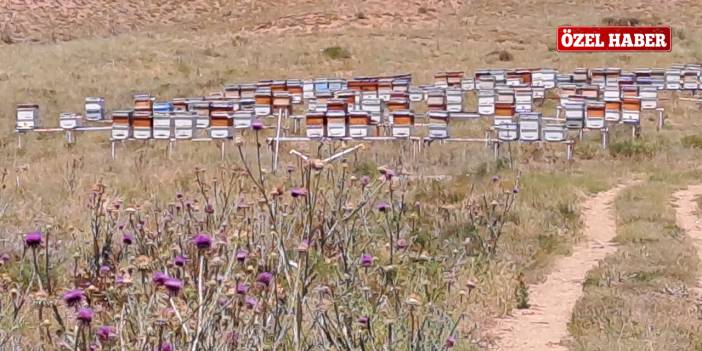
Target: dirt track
[
  {"x": 686, "y": 215},
  {"x": 545, "y": 324}
]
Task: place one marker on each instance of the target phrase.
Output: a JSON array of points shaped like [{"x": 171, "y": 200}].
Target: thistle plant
[{"x": 315, "y": 257}]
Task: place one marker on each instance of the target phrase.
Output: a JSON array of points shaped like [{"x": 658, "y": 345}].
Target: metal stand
[
  {"x": 661, "y": 119},
  {"x": 496, "y": 149},
  {"x": 605, "y": 137},
  {"x": 570, "y": 147}
]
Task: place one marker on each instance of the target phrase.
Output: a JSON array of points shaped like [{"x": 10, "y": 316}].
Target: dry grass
[
  {"x": 184, "y": 55},
  {"x": 641, "y": 297}
]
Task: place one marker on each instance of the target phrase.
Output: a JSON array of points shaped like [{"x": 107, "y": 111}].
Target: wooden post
[
  {"x": 633, "y": 131},
  {"x": 113, "y": 150},
  {"x": 169, "y": 150},
  {"x": 605, "y": 137},
  {"x": 222, "y": 150},
  {"x": 496, "y": 149},
  {"x": 569, "y": 150},
  {"x": 19, "y": 140},
  {"x": 661, "y": 119}
]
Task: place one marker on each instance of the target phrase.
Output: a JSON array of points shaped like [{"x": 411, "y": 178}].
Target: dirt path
[
  {"x": 687, "y": 219},
  {"x": 545, "y": 324}
]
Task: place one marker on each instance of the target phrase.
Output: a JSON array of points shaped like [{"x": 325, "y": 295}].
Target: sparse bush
[
  {"x": 621, "y": 21},
  {"x": 636, "y": 148},
  {"x": 361, "y": 15},
  {"x": 692, "y": 141},
  {"x": 336, "y": 53},
  {"x": 505, "y": 56},
  {"x": 522, "y": 292}
]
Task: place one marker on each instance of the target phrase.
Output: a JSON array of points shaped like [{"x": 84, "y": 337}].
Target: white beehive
[
  {"x": 27, "y": 117},
  {"x": 94, "y": 109},
  {"x": 184, "y": 124},
  {"x": 70, "y": 120},
  {"x": 163, "y": 125},
  {"x": 486, "y": 102},
  {"x": 529, "y": 126},
  {"x": 336, "y": 123},
  {"x": 554, "y": 132},
  {"x": 574, "y": 114},
  {"x": 243, "y": 119}
]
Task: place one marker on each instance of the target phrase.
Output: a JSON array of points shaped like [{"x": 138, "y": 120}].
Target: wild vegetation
[{"x": 366, "y": 253}]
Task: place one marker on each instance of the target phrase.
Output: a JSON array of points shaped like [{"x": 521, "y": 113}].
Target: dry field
[{"x": 443, "y": 285}]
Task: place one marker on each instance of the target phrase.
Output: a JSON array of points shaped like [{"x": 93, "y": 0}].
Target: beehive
[
  {"x": 94, "y": 109},
  {"x": 359, "y": 121},
  {"x": 594, "y": 115},
  {"x": 27, "y": 117}
]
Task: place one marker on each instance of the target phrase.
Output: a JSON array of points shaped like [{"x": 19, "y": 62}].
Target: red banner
[{"x": 573, "y": 38}]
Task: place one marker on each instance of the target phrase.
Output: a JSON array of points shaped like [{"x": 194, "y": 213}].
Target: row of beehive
[
  {"x": 339, "y": 118},
  {"x": 678, "y": 77},
  {"x": 181, "y": 118}
]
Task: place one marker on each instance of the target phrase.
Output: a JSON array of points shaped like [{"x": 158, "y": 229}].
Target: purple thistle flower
[
  {"x": 180, "y": 260},
  {"x": 257, "y": 125},
  {"x": 515, "y": 190},
  {"x": 202, "y": 241},
  {"x": 367, "y": 260},
  {"x": 298, "y": 192},
  {"x": 85, "y": 315},
  {"x": 127, "y": 239},
  {"x": 159, "y": 278},
  {"x": 382, "y": 206},
  {"x": 264, "y": 278},
  {"x": 389, "y": 174},
  {"x": 401, "y": 244},
  {"x": 365, "y": 180},
  {"x": 179, "y": 195},
  {"x": 232, "y": 338},
  {"x": 4, "y": 258},
  {"x": 166, "y": 347},
  {"x": 450, "y": 342},
  {"x": 250, "y": 302},
  {"x": 209, "y": 209},
  {"x": 104, "y": 270},
  {"x": 364, "y": 320},
  {"x": 495, "y": 178},
  {"x": 105, "y": 333},
  {"x": 304, "y": 246},
  {"x": 242, "y": 288},
  {"x": 290, "y": 168},
  {"x": 73, "y": 297},
  {"x": 173, "y": 286},
  {"x": 241, "y": 255},
  {"x": 33, "y": 239}
]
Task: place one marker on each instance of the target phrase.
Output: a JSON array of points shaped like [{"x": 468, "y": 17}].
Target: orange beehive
[
  {"x": 315, "y": 118},
  {"x": 359, "y": 118},
  {"x": 613, "y": 105},
  {"x": 504, "y": 109},
  {"x": 596, "y": 110},
  {"x": 403, "y": 118},
  {"x": 142, "y": 119},
  {"x": 631, "y": 104}
]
